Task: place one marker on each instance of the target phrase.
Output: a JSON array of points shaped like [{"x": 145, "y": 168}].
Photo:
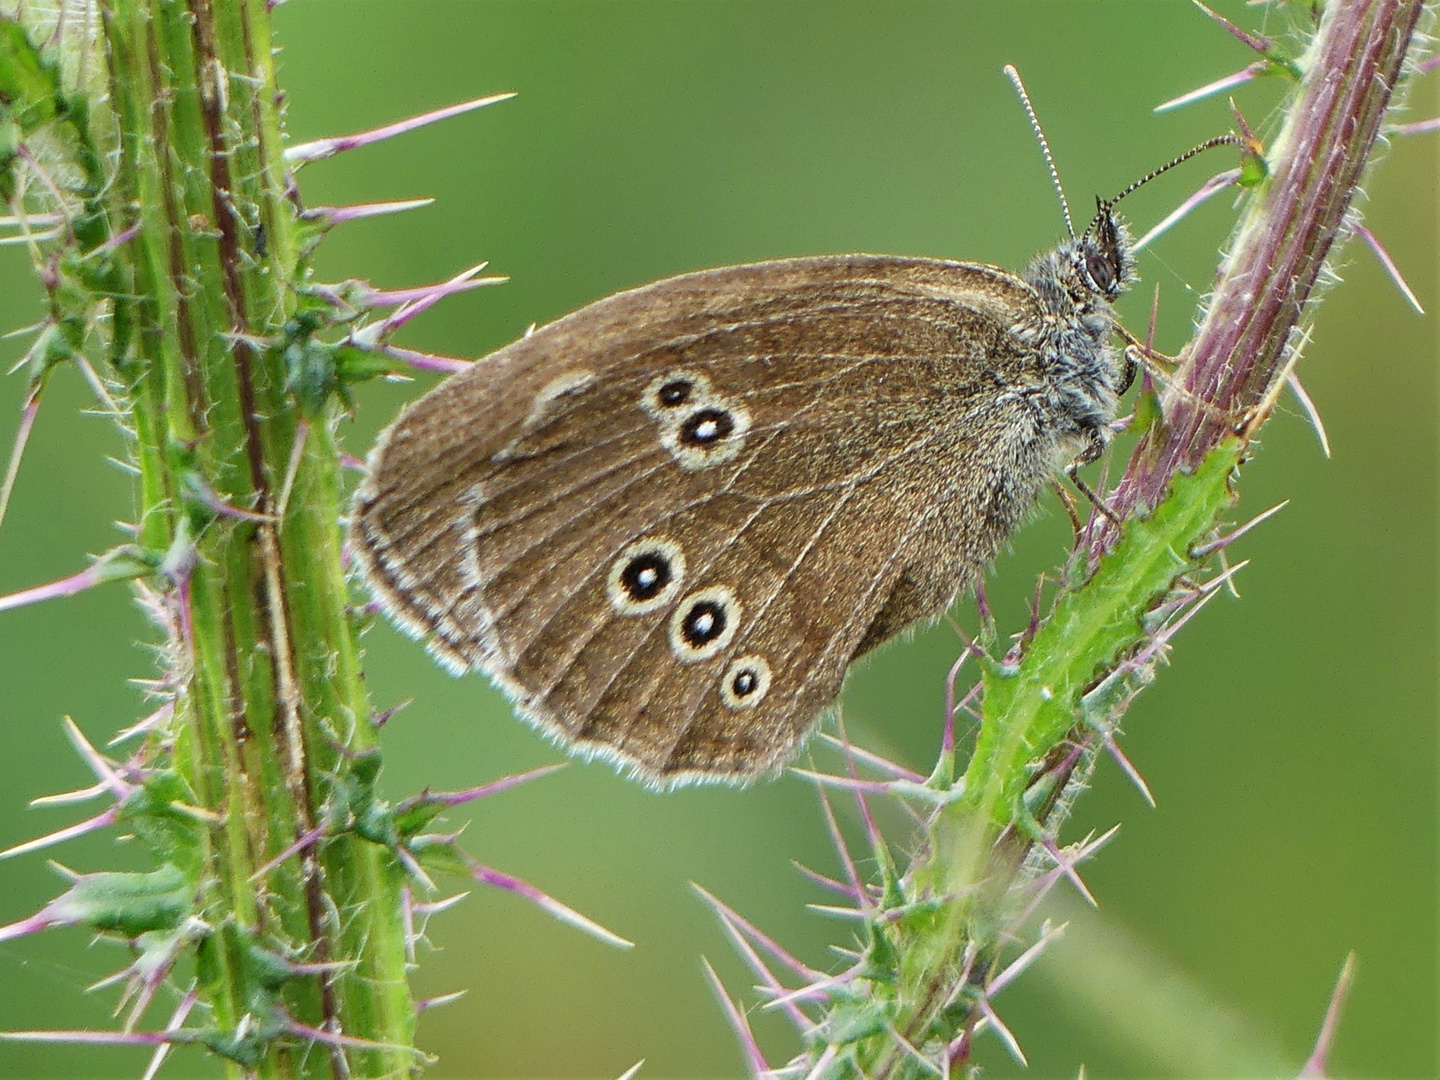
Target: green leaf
[{"x": 129, "y": 903}]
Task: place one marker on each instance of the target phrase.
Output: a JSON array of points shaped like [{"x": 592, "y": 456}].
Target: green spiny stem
[{"x": 271, "y": 706}]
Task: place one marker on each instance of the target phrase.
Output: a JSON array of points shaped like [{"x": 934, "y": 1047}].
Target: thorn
[
  {"x": 327, "y": 968},
  {"x": 209, "y": 498},
  {"x": 1261, "y": 45},
  {"x": 414, "y": 302},
  {"x": 1011, "y": 1044},
  {"x": 849, "y": 783},
  {"x": 1219, "y": 86},
  {"x": 1042, "y": 885},
  {"x": 292, "y": 468},
  {"x": 1235, "y": 534},
  {"x": 412, "y": 867},
  {"x": 305, "y": 840},
  {"x": 28, "y": 412},
  {"x": 1390, "y": 268},
  {"x": 822, "y": 1063},
  {"x": 1017, "y": 967},
  {"x": 755, "y": 1064},
  {"x": 1068, "y": 868},
  {"x": 629, "y": 1074},
  {"x": 150, "y": 723},
  {"x": 27, "y": 220},
  {"x": 435, "y": 907},
  {"x": 1212, "y": 187},
  {"x": 982, "y": 608},
  {"x": 337, "y": 215},
  {"x": 486, "y": 876},
  {"x": 1163, "y": 638},
  {"x": 872, "y": 831},
  {"x": 740, "y": 923},
  {"x": 100, "y": 821},
  {"x": 420, "y": 297},
  {"x": 380, "y": 719},
  {"x": 909, "y": 1048},
  {"x": 1319, "y": 1061},
  {"x": 69, "y": 798},
  {"x": 407, "y": 919},
  {"x": 438, "y": 1001},
  {"x": 102, "y": 768},
  {"x": 460, "y": 798},
  {"x": 420, "y": 361},
  {"x": 947, "y": 730},
  {"x": 767, "y": 978},
  {"x": 100, "y": 1038},
  {"x": 41, "y": 920},
  {"x": 115, "y": 565},
  {"x": 319, "y": 149},
  {"x": 873, "y": 759},
  {"x": 1128, "y": 768},
  {"x": 1261, "y": 412},
  {"x": 828, "y": 882},
  {"x": 832, "y": 910},
  {"x": 124, "y": 236},
  {"x": 292, "y": 1026},
  {"x": 838, "y": 839},
  {"x": 1418, "y": 127},
  {"x": 29, "y": 238},
  {"x": 177, "y": 1018}
]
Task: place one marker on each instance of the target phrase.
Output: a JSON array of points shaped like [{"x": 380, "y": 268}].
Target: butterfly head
[
  {"x": 1091, "y": 269},
  {"x": 1101, "y": 257}
]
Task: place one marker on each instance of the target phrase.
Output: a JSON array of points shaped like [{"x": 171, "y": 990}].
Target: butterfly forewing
[{"x": 669, "y": 522}]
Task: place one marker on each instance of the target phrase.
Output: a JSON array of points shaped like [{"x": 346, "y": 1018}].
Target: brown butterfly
[{"x": 667, "y": 524}]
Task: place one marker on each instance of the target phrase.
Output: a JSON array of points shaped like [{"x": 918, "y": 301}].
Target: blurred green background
[{"x": 1291, "y": 747}]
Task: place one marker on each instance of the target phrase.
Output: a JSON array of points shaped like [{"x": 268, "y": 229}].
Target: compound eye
[{"x": 1101, "y": 271}]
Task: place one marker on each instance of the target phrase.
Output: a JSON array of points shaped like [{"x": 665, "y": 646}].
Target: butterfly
[{"x": 667, "y": 524}]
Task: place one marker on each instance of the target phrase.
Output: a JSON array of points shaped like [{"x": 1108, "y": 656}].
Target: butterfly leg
[
  {"x": 1092, "y": 451},
  {"x": 1166, "y": 365},
  {"x": 1069, "y": 503}
]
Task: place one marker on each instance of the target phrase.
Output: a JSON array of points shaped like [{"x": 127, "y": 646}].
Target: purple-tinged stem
[{"x": 1266, "y": 284}]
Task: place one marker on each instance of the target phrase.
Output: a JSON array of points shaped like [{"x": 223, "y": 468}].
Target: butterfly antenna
[
  {"x": 1014, "y": 77},
  {"x": 1106, "y": 205}
]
